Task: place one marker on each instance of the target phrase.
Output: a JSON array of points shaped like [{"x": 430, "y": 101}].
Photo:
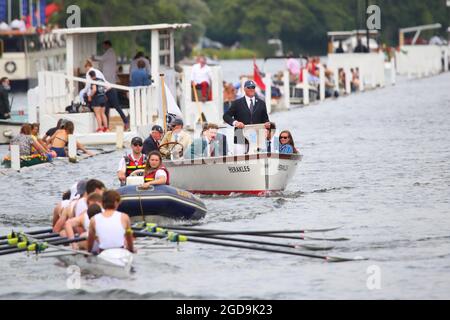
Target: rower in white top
[
  {"x": 111, "y": 228},
  {"x": 81, "y": 223}
]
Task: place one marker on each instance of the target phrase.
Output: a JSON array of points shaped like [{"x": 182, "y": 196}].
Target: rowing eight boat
[{"x": 111, "y": 262}]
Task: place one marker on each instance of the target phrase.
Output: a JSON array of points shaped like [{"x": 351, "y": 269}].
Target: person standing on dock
[
  {"x": 111, "y": 94},
  {"x": 247, "y": 110},
  {"x": 201, "y": 78},
  {"x": 360, "y": 48},
  {"x": 294, "y": 68},
  {"x": 139, "y": 76},
  {"x": 97, "y": 98},
  {"x": 5, "y": 107},
  {"x": 134, "y": 64},
  {"x": 108, "y": 62}
]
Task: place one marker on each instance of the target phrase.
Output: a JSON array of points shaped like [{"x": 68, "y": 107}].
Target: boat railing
[
  {"x": 371, "y": 68},
  {"x": 56, "y": 92}
]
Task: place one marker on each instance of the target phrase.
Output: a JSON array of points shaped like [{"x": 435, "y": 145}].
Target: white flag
[{"x": 173, "y": 111}]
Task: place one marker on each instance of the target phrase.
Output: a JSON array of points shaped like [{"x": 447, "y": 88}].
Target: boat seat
[{"x": 135, "y": 180}]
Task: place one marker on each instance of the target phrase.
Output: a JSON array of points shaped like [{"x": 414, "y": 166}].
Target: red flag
[
  {"x": 51, "y": 9},
  {"x": 257, "y": 77}
]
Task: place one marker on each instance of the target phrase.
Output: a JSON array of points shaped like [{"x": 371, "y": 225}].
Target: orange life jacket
[
  {"x": 132, "y": 165},
  {"x": 151, "y": 175}
]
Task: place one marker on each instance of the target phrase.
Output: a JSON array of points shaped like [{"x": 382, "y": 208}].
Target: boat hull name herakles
[{"x": 248, "y": 174}]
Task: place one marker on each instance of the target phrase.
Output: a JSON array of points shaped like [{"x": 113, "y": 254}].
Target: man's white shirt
[{"x": 199, "y": 74}]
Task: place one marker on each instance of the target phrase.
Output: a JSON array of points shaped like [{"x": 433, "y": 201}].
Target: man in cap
[
  {"x": 132, "y": 161},
  {"x": 246, "y": 110},
  {"x": 176, "y": 141},
  {"x": 152, "y": 142}
]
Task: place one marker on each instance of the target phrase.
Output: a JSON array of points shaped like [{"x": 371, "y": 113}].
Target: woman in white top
[{"x": 111, "y": 228}]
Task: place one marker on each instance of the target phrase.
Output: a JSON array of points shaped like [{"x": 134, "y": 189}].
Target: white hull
[
  {"x": 250, "y": 174},
  {"x": 8, "y": 129},
  {"x": 111, "y": 262}
]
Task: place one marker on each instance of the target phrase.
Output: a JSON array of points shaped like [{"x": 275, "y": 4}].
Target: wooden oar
[
  {"x": 29, "y": 232},
  {"x": 175, "y": 237},
  {"x": 201, "y": 115}
]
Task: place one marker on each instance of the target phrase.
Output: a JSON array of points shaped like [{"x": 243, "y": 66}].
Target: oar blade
[{"x": 343, "y": 259}]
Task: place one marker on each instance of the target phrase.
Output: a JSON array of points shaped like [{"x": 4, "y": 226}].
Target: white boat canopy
[
  {"x": 162, "y": 26},
  {"x": 82, "y": 43}
]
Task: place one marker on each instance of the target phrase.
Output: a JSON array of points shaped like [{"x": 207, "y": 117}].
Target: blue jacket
[
  {"x": 286, "y": 148},
  {"x": 139, "y": 78}
]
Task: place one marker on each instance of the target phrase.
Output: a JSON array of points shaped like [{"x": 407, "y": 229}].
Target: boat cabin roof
[
  {"x": 84, "y": 30},
  {"x": 17, "y": 33}
]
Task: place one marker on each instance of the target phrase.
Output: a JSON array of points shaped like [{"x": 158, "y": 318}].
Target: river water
[{"x": 376, "y": 163}]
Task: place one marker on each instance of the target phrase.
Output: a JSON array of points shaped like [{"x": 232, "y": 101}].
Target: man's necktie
[
  {"x": 251, "y": 106},
  {"x": 269, "y": 148},
  {"x": 211, "y": 149}
]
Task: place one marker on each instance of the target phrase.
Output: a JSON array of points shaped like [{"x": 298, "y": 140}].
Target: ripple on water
[{"x": 376, "y": 163}]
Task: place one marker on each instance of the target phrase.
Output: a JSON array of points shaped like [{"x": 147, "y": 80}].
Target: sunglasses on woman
[
  {"x": 284, "y": 137},
  {"x": 137, "y": 144}
]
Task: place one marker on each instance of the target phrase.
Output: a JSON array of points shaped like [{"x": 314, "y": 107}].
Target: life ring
[{"x": 10, "y": 67}]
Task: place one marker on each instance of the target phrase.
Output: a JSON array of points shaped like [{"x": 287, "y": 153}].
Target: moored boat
[
  {"x": 8, "y": 129},
  {"x": 26, "y": 161}
]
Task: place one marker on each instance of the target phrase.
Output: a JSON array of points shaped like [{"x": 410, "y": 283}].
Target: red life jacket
[
  {"x": 151, "y": 175},
  {"x": 131, "y": 165}
]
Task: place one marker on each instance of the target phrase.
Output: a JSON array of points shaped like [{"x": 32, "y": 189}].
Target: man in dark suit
[
  {"x": 5, "y": 107},
  {"x": 247, "y": 110},
  {"x": 152, "y": 142}
]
